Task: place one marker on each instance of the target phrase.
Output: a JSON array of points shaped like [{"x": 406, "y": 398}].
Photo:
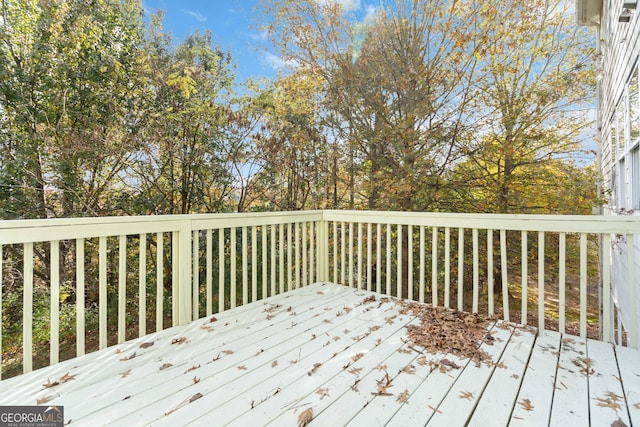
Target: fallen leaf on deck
[
  {"x": 383, "y": 384},
  {"x": 409, "y": 369},
  {"x": 185, "y": 402},
  {"x": 124, "y": 359},
  {"x": 242, "y": 368},
  {"x": 434, "y": 409},
  {"x": 354, "y": 371},
  {"x": 636, "y": 405},
  {"x": 305, "y": 417},
  {"x": 125, "y": 373},
  {"x": 323, "y": 392},
  {"x": 196, "y": 380},
  {"x": 227, "y": 351},
  {"x": 315, "y": 368},
  {"x": 403, "y": 397},
  {"x": 450, "y": 363},
  {"x": 43, "y": 399},
  {"x": 118, "y": 351},
  {"x": 607, "y": 403},
  {"x": 193, "y": 368},
  {"x": 274, "y": 363},
  {"x": 66, "y": 377},
  {"x": 613, "y": 396},
  {"x": 466, "y": 395},
  {"x": 422, "y": 360},
  {"x": 618, "y": 423},
  {"x": 357, "y": 357},
  {"x": 212, "y": 319},
  {"x": 50, "y": 384},
  {"x": 165, "y": 366},
  {"x": 526, "y": 405},
  {"x": 179, "y": 340},
  {"x": 146, "y": 344}
]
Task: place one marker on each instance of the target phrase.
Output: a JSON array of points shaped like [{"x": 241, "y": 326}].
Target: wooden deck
[{"x": 330, "y": 351}]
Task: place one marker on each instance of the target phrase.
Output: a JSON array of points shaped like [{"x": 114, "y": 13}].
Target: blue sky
[{"x": 234, "y": 25}]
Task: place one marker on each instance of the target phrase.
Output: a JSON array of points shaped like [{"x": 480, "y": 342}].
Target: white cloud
[
  {"x": 347, "y": 5},
  {"x": 260, "y": 35},
  {"x": 370, "y": 13},
  {"x": 276, "y": 62},
  {"x": 199, "y": 16}
]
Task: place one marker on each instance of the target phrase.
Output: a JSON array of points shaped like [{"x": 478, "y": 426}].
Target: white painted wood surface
[{"x": 325, "y": 347}]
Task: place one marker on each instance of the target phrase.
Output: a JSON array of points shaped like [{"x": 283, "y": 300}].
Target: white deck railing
[{"x": 245, "y": 257}]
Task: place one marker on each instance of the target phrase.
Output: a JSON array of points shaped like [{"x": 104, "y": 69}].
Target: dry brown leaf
[
  {"x": 636, "y": 405},
  {"x": 618, "y": 423},
  {"x": 466, "y": 395},
  {"x": 146, "y": 344},
  {"x": 227, "y": 351},
  {"x": 124, "y": 359},
  {"x": 118, "y": 351},
  {"x": 449, "y": 363},
  {"x": 193, "y": 368},
  {"x": 323, "y": 392},
  {"x": 355, "y": 371},
  {"x": 274, "y": 363},
  {"x": 608, "y": 403},
  {"x": 212, "y": 319},
  {"x": 409, "y": 369},
  {"x": 196, "y": 380},
  {"x": 242, "y": 368},
  {"x": 422, "y": 361},
  {"x": 50, "y": 384},
  {"x": 305, "y": 417},
  {"x": 434, "y": 409},
  {"x": 357, "y": 357},
  {"x": 184, "y": 402},
  {"x": 165, "y": 366},
  {"x": 43, "y": 400},
  {"x": 314, "y": 369},
  {"x": 66, "y": 377},
  {"x": 613, "y": 396},
  {"x": 526, "y": 404},
  {"x": 179, "y": 340},
  {"x": 403, "y": 397},
  {"x": 125, "y": 373}
]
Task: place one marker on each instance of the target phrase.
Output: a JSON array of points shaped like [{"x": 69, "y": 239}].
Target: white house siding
[{"x": 619, "y": 121}]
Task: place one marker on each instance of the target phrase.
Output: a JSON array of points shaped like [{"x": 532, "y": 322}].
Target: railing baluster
[
  {"x": 289, "y": 258},
  {"x": 175, "y": 278},
  {"x": 312, "y": 253},
  {"x": 606, "y": 287},
  {"x": 378, "y": 258},
  {"x": 273, "y": 260},
  {"x": 369, "y": 255},
  {"x": 399, "y": 274},
  {"x": 410, "y": 263},
  {"x": 209, "y": 272},
  {"x": 351, "y": 254},
  {"x": 561, "y": 282},
  {"x": 281, "y": 259},
  {"x": 335, "y": 252},
  {"x": 27, "y": 309},
  {"x": 388, "y": 265},
  {"x": 122, "y": 288},
  {"x": 195, "y": 291},
  {"x": 422, "y": 266},
  {"x": 359, "y": 255},
  {"x": 305, "y": 263},
  {"x": 631, "y": 271},
  {"x": 232, "y": 265},
  {"x": 540, "y": 280},
  {"x": 221, "y": 267},
  {"x": 159, "y": 281},
  {"x": 434, "y": 266},
  {"x": 524, "y": 254},
  {"x": 490, "y": 279},
  {"x": 583, "y": 285},
  {"x": 1, "y": 295},
  {"x": 504, "y": 275},
  {"x": 447, "y": 267},
  {"x": 296, "y": 242},
  {"x": 102, "y": 292},
  {"x": 245, "y": 278},
  {"x": 142, "y": 286},
  {"x": 460, "y": 268},
  {"x": 54, "y": 341},
  {"x": 343, "y": 250},
  {"x": 254, "y": 264},
  {"x": 264, "y": 266},
  {"x": 476, "y": 276}
]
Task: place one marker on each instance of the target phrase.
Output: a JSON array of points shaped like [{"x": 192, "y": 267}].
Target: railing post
[{"x": 182, "y": 274}]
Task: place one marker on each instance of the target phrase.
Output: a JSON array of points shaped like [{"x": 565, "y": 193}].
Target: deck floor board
[{"x": 344, "y": 355}]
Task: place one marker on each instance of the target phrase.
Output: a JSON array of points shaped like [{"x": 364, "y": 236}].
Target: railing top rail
[
  {"x": 37, "y": 230},
  {"x": 620, "y": 224}
]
